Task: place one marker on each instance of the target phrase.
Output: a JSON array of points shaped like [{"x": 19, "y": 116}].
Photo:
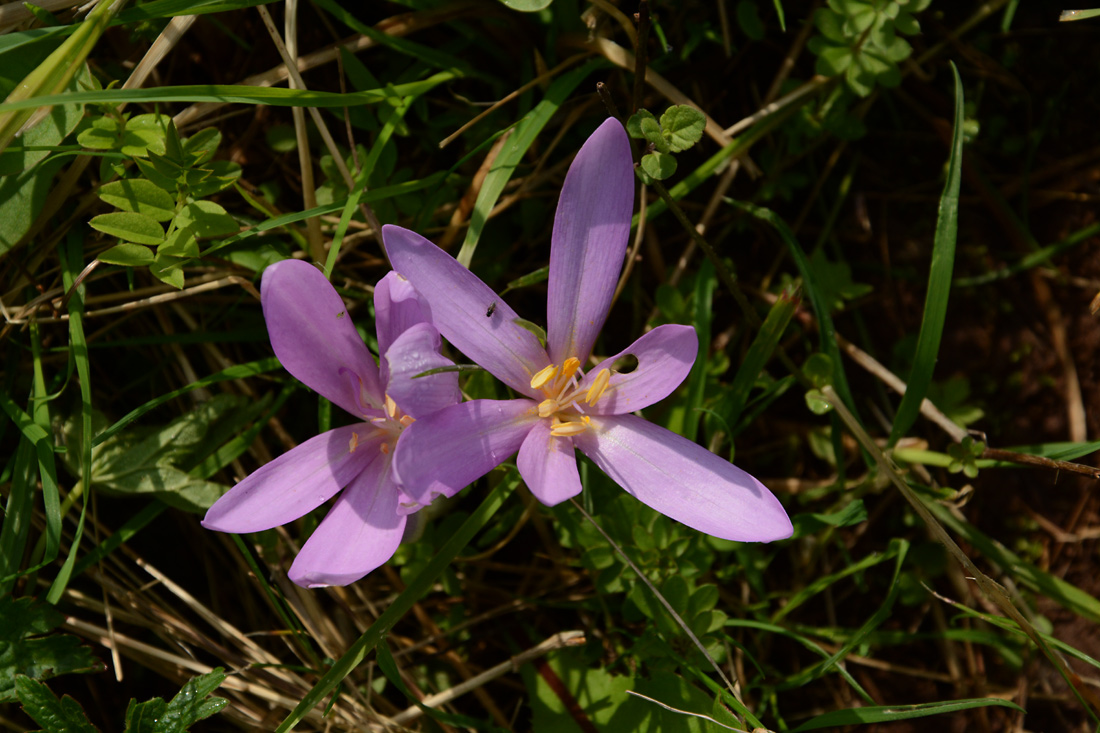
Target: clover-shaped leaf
[
  {"x": 659, "y": 165},
  {"x": 682, "y": 126}
]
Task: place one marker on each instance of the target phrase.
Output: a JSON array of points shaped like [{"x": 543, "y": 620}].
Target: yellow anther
[
  {"x": 391, "y": 406},
  {"x": 543, "y": 377},
  {"x": 406, "y": 421},
  {"x": 353, "y": 443},
  {"x": 566, "y": 429},
  {"x": 599, "y": 384},
  {"x": 548, "y": 407},
  {"x": 569, "y": 368}
]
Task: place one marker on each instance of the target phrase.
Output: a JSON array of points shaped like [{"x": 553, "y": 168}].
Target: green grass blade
[
  {"x": 239, "y": 371},
  {"x": 890, "y": 713},
  {"x": 224, "y": 93},
  {"x": 939, "y": 282},
  {"x": 505, "y": 164},
  {"x": 826, "y": 331},
  {"x": 705, "y": 284},
  {"x": 756, "y": 358},
  {"x": 71, "y": 264},
  {"x": 403, "y": 603},
  {"x": 55, "y": 73}
]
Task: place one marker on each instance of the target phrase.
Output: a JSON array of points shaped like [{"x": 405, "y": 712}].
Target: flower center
[
  {"x": 565, "y": 398},
  {"x": 388, "y": 426}
]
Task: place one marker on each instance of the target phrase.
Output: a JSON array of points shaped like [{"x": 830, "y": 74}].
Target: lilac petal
[
  {"x": 548, "y": 465},
  {"x": 413, "y": 352},
  {"x": 314, "y": 338},
  {"x": 459, "y": 302},
  {"x": 591, "y": 229},
  {"x": 360, "y": 533},
  {"x": 684, "y": 481},
  {"x": 664, "y": 355},
  {"x": 444, "y": 452},
  {"x": 294, "y": 483},
  {"x": 397, "y": 307}
]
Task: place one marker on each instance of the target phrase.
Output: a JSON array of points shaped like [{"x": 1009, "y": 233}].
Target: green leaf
[
  {"x": 167, "y": 269},
  {"x": 190, "y": 705},
  {"x": 55, "y": 716},
  {"x": 144, "y": 134},
  {"x": 221, "y": 174},
  {"x": 806, "y": 524},
  {"x": 659, "y": 165},
  {"x": 201, "y": 146},
  {"x": 651, "y": 131},
  {"x": 180, "y": 243},
  {"x": 833, "y": 60},
  {"x": 889, "y": 713},
  {"x": 683, "y": 126},
  {"x": 22, "y": 196},
  {"x": 748, "y": 17},
  {"x": 817, "y": 403},
  {"x": 939, "y": 282},
  {"x": 130, "y": 227},
  {"x": 104, "y": 134},
  {"x": 859, "y": 79},
  {"x": 127, "y": 255},
  {"x": 634, "y": 124},
  {"x": 831, "y": 25},
  {"x": 527, "y": 6},
  {"x": 25, "y": 650},
  {"x": 907, "y": 24},
  {"x": 140, "y": 196},
  {"x": 206, "y": 219}
]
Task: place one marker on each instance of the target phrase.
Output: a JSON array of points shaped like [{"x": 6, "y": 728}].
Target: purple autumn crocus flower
[
  {"x": 315, "y": 340},
  {"x": 568, "y": 405}
]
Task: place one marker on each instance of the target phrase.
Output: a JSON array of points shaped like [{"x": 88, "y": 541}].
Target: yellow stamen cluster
[
  {"x": 389, "y": 425},
  {"x": 558, "y": 383}
]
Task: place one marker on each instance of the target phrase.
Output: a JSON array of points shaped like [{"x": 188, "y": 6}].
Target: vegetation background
[{"x": 809, "y": 236}]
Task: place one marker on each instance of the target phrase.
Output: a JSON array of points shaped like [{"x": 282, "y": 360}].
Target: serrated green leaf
[
  {"x": 142, "y": 717},
  {"x": 659, "y": 165},
  {"x": 130, "y": 227},
  {"x": 206, "y": 219},
  {"x": 55, "y": 716},
  {"x": 127, "y": 255},
  {"x": 138, "y": 195},
  {"x": 190, "y": 705},
  {"x": 683, "y": 126},
  {"x": 634, "y": 124},
  {"x": 25, "y": 651}
]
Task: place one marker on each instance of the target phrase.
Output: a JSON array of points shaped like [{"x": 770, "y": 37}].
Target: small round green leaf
[
  {"x": 659, "y": 165},
  {"x": 528, "y": 6},
  {"x": 817, "y": 403},
  {"x": 651, "y": 130},
  {"x": 141, "y": 196},
  {"x": 683, "y": 126},
  {"x": 130, "y": 227},
  {"x": 634, "y": 124}
]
